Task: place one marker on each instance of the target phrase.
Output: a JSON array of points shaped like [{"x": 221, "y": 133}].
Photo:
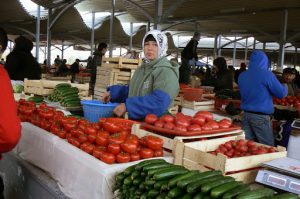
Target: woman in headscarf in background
[
  {"x": 154, "y": 84},
  {"x": 20, "y": 63}
]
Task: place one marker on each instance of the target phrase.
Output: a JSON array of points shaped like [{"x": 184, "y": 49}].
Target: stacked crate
[{"x": 114, "y": 71}]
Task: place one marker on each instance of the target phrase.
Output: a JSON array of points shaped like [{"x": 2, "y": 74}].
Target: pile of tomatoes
[
  {"x": 241, "y": 148},
  {"x": 201, "y": 121},
  {"x": 287, "y": 101},
  {"x": 109, "y": 140}
]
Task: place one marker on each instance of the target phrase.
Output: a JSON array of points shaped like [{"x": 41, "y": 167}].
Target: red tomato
[
  {"x": 200, "y": 120},
  {"x": 226, "y": 121},
  {"x": 206, "y": 127},
  {"x": 98, "y": 152},
  {"x": 108, "y": 158},
  {"x": 194, "y": 127},
  {"x": 154, "y": 142},
  {"x": 116, "y": 138},
  {"x": 82, "y": 127},
  {"x": 180, "y": 128},
  {"x": 102, "y": 138},
  {"x": 271, "y": 150},
  {"x": 83, "y": 145},
  {"x": 143, "y": 141},
  {"x": 114, "y": 148},
  {"x": 55, "y": 128},
  {"x": 82, "y": 138},
  {"x": 91, "y": 139},
  {"x": 169, "y": 125},
  {"x": 111, "y": 127},
  {"x": 183, "y": 122},
  {"x": 146, "y": 153},
  {"x": 228, "y": 145},
  {"x": 89, "y": 148},
  {"x": 159, "y": 124},
  {"x": 135, "y": 157},
  {"x": 208, "y": 115},
  {"x": 61, "y": 134},
  {"x": 168, "y": 118},
  {"x": 243, "y": 149},
  {"x": 250, "y": 143},
  {"x": 69, "y": 126},
  {"x": 123, "y": 157},
  {"x": 151, "y": 118},
  {"x": 213, "y": 124},
  {"x": 76, "y": 142},
  {"x": 90, "y": 130},
  {"x": 158, "y": 153},
  {"x": 133, "y": 139},
  {"x": 129, "y": 147}
]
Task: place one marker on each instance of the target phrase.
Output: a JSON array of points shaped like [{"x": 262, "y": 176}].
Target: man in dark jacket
[
  {"x": 75, "y": 66},
  {"x": 288, "y": 78},
  {"x": 20, "y": 63},
  {"x": 258, "y": 85},
  {"x": 189, "y": 52}
]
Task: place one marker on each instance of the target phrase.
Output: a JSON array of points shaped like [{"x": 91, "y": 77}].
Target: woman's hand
[
  {"x": 120, "y": 110},
  {"x": 106, "y": 97}
]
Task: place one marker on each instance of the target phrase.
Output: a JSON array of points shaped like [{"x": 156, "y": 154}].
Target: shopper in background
[
  {"x": 75, "y": 67},
  {"x": 221, "y": 77},
  {"x": 57, "y": 60},
  {"x": 10, "y": 125},
  {"x": 239, "y": 71},
  {"x": 154, "y": 84},
  {"x": 288, "y": 78},
  {"x": 96, "y": 62},
  {"x": 63, "y": 70},
  {"x": 20, "y": 63},
  {"x": 188, "y": 53},
  {"x": 258, "y": 85}
]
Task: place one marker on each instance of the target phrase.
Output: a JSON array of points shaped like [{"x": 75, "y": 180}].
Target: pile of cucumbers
[
  {"x": 161, "y": 180},
  {"x": 66, "y": 95},
  {"x": 37, "y": 99}
]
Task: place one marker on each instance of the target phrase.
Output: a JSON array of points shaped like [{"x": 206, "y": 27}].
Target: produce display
[
  {"x": 110, "y": 140},
  {"x": 66, "y": 95},
  {"x": 201, "y": 123},
  {"x": 287, "y": 101},
  {"x": 36, "y": 99},
  {"x": 240, "y": 148},
  {"x": 159, "y": 179}
]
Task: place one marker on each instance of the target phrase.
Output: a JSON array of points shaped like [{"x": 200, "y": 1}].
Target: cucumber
[
  {"x": 149, "y": 183},
  {"x": 196, "y": 186},
  {"x": 152, "y": 193},
  {"x": 197, "y": 177},
  {"x": 175, "y": 192},
  {"x": 187, "y": 196},
  {"x": 258, "y": 193},
  {"x": 120, "y": 177},
  {"x": 144, "y": 196},
  {"x": 137, "y": 180},
  {"x": 135, "y": 174},
  {"x": 161, "y": 196},
  {"x": 220, "y": 190},
  {"x": 209, "y": 186},
  {"x": 285, "y": 196},
  {"x": 127, "y": 181},
  {"x": 140, "y": 165},
  {"x": 158, "y": 184},
  {"x": 236, "y": 191},
  {"x": 174, "y": 181},
  {"x": 142, "y": 186},
  {"x": 129, "y": 170},
  {"x": 164, "y": 187},
  {"x": 168, "y": 174},
  {"x": 154, "y": 171},
  {"x": 155, "y": 166},
  {"x": 198, "y": 196}
]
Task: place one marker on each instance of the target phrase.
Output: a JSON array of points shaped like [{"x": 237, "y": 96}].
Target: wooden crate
[
  {"x": 98, "y": 93},
  {"x": 63, "y": 79},
  {"x": 107, "y": 76},
  {"x": 194, "y": 155},
  {"x": 170, "y": 142},
  {"x": 121, "y": 62},
  {"x": 205, "y": 105},
  {"x": 82, "y": 79},
  {"x": 46, "y": 87},
  {"x": 178, "y": 100}
]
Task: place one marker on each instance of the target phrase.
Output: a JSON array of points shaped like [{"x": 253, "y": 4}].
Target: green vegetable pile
[
  {"x": 66, "y": 95},
  {"x": 161, "y": 180}
]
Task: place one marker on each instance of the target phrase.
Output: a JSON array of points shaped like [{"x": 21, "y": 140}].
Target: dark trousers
[{"x": 184, "y": 71}]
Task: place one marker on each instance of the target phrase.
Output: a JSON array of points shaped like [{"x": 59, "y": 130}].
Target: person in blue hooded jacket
[
  {"x": 257, "y": 86},
  {"x": 154, "y": 84}
]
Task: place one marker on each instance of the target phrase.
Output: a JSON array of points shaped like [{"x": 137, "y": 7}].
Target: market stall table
[{"x": 78, "y": 174}]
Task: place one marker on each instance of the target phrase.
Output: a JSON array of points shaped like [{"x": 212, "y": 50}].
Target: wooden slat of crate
[
  {"x": 120, "y": 62},
  {"x": 178, "y": 101},
  {"x": 198, "y": 153},
  {"x": 64, "y": 79},
  {"x": 203, "y": 105}
]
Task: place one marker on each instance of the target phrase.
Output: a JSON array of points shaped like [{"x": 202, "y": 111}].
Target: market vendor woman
[{"x": 154, "y": 84}]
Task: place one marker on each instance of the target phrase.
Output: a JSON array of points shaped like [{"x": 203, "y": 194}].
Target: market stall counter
[{"x": 78, "y": 174}]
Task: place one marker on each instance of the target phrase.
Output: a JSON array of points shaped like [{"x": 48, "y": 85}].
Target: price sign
[{"x": 276, "y": 180}]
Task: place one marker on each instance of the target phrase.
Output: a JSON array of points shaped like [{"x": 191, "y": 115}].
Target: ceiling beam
[
  {"x": 171, "y": 9},
  {"x": 141, "y": 9},
  {"x": 21, "y": 29},
  {"x": 232, "y": 41}
]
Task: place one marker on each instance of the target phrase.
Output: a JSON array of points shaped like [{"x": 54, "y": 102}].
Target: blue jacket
[{"x": 258, "y": 85}]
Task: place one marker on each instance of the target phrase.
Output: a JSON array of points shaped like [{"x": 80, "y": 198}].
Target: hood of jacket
[
  {"x": 258, "y": 61},
  {"x": 23, "y": 44}
]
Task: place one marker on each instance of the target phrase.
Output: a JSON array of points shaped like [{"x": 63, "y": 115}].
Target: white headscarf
[{"x": 161, "y": 40}]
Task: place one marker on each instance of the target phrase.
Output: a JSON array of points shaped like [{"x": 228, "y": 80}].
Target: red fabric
[{"x": 10, "y": 124}]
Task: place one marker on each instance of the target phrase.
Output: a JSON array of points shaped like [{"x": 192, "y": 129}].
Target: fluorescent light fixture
[{"x": 232, "y": 10}]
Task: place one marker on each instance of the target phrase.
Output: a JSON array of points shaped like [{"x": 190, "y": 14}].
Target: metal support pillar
[
  {"x": 234, "y": 53},
  {"x": 131, "y": 36},
  {"x": 111, "y": 28},
  {"x": 158, "y": 14},
  {"x": 37, "y": 39},
  {"x": 148, "y": 26},
  {"x": 49, "y": 37},
  {"x": 254, "y": 44},
  {"x": 264, "y": 46},
  {"x": 282, "y": 39},
  {"x": 62, "y": 50},
  {"x": 220, "y": 44},
  {"x": 93, "y": 33},
  {"x": 177, "y": 52},
  {"x": 246, "y": 51},
  {"x": 295, "y": 57},
  {"x": 215, "y": 46}
]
